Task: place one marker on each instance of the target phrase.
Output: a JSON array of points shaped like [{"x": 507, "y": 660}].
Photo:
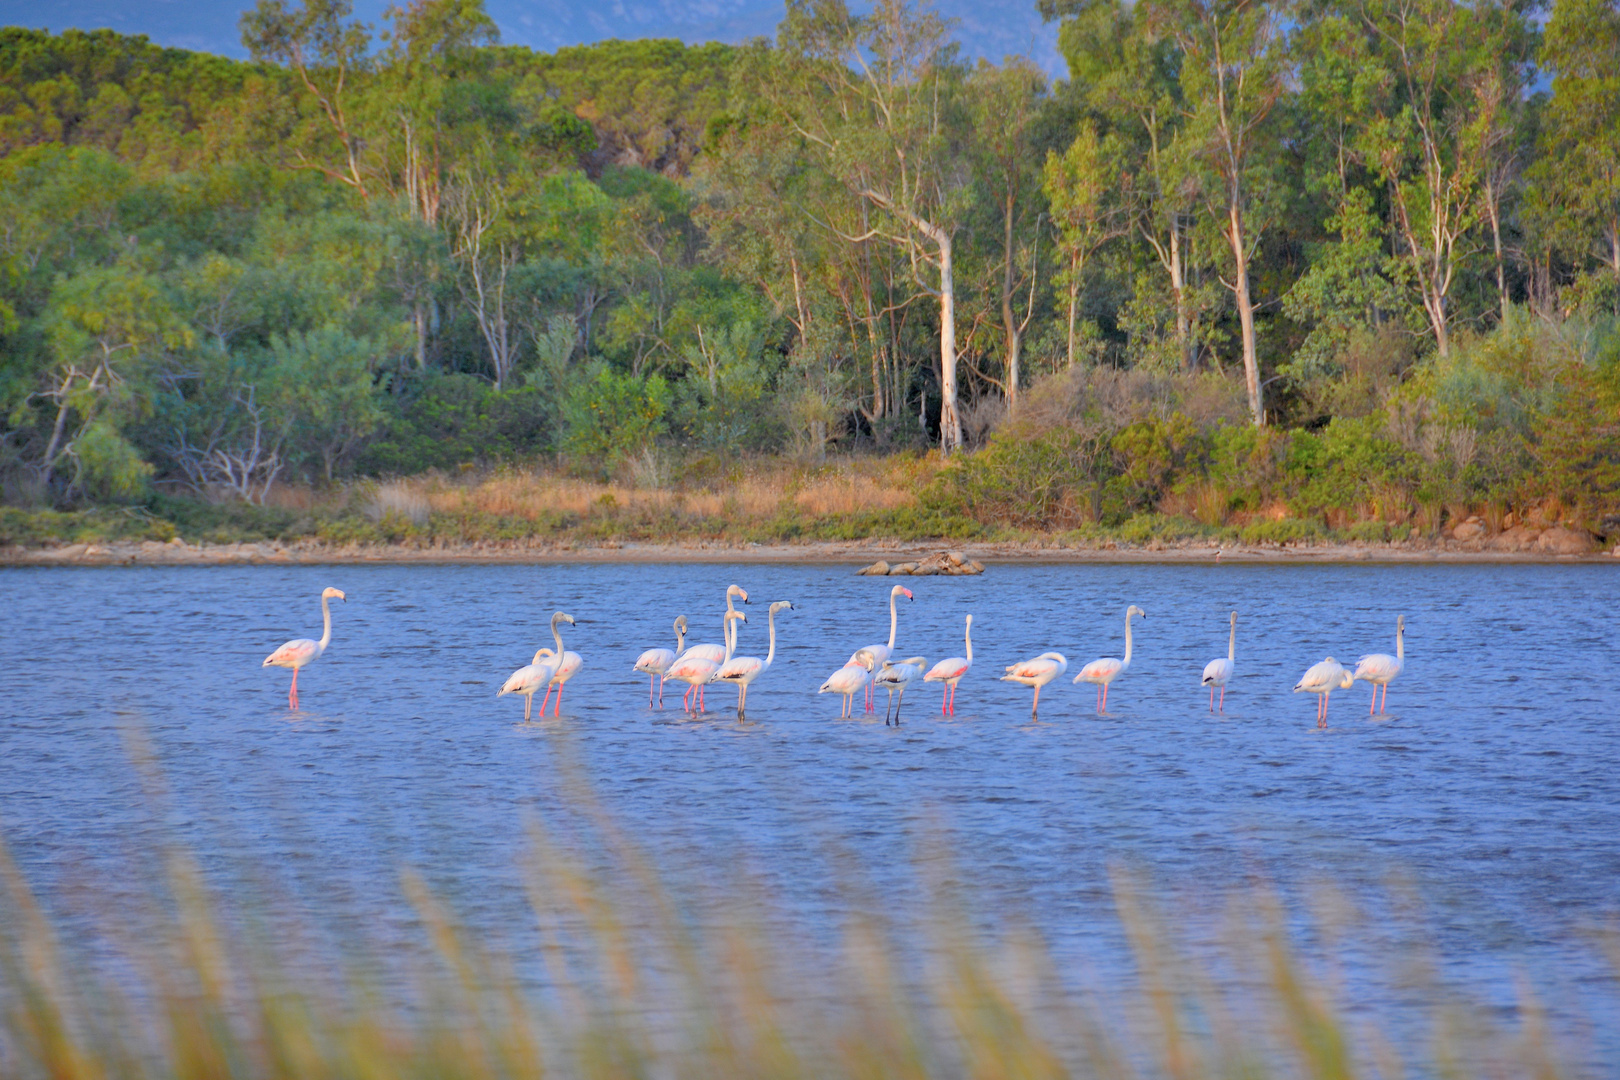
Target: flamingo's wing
[
  {"x": 1377, "y": 666},
  {"x": 1098, "y": 670},
  {"x": 739, "y": 666},
  {"x": 953, "y": 668},
  {"x": 297, "y": 651},
  {"x": 654, "y": 661},
  {"x": 1030, "y": 669},
  {"x": 1217, "y": 671}
]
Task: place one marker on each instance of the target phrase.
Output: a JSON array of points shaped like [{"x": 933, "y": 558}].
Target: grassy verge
[{"x": 913, "y": 498}]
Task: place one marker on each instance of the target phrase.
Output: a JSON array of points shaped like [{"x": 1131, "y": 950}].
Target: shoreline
[{"x": 857, "y": 553}]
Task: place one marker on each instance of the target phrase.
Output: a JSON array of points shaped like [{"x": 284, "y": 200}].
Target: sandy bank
[{"x": 856, "y": 554}]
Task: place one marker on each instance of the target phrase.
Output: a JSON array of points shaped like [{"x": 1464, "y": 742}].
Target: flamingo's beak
[{"x": 908, "y": 594}]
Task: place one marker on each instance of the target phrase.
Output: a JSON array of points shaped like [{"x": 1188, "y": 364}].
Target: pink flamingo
[
  {"x": 656, "y": 662},
  {"x": 743, "y": 670},
  {"x": 698, "y": 671},
  {"x": 568, "y": 663},
  {"x": 1105, "y": 670},
  {"x": 1218, "y": 672},
  {"x": 527, "y": 680},
  {"x": 849, "y": 679},
  {"x": 950, "y": 672},
  {"x": 1322, "y": 679},
  {"x": 717, "y": 653},
  {"x": 1380, "y": 669},
  {"x": 1037, "y": 673},
  {"x": 881, "y": 653},
  {"x": 299, "y": 652}
]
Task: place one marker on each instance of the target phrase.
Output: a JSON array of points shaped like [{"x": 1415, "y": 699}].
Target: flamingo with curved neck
[
  {"x": 1380, "y": 669},
  {"x": 1104, "y": 670},
  {"x": 950, "y": 672},
  {"x": 1037, "y": 672},
  {"x": 567, "y": 664},
  {"x": 655, "y": 662},
  {"x": 743, "y": 670},
  {"x": 1322, "y": 679},
  {"x": 881, "y": 653},
  {"x": 848, "y": 680},
  {"x": 529, "y": 679},
  {"x": 300, "y": 652},
  {"x": 1218, "y": 672},
  {"x": 698, "y": 671}
]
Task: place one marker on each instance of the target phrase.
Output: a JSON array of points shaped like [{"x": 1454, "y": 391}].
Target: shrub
[
  {"x": 611, "y": 416},
  {"x": 1028, "y": 479},
  {"x": 1284, "y": 531}
]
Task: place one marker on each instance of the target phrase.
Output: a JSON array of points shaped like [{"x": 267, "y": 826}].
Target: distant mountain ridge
[{"x": 992, "y": 30}]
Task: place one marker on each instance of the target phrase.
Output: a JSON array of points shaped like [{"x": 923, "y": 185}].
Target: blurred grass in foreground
[{"x": 629, "y": 986}]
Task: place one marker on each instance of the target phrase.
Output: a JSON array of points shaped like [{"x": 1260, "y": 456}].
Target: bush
[
  {"x": 1285, "y": 531},
  {"x": 1028, "y": 479},
  {"x": 610, "y": 416},
  {"x": 446, "y": 421}
]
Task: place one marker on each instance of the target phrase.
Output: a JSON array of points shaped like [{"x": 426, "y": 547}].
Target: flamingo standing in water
[
  {"x": 300, "y": 652},
  {"x": 1380, "y": 669},
  {"x": 527, "y": 680},
  {"x": 656, "y": 662},
  {"x": 1322, "y": 679},
  {"x": 1106, "y": 669},
  {"x": 950, "y": 672},
  {"x": 1218, "y": 672},
  {"x": 718, "y": 653},
  {"x": 881, "y": 653},
  {"x": 567, "y": 664},
  {"x": 698, "y": 671},
  {"x": 743, "y": 670},
  {"x": 849, "y": 680},
  {"x": 1037, "y": 673},
  {"x": 895, "y": 678}
]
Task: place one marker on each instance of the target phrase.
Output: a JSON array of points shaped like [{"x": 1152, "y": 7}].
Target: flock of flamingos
[{"x": 868, "y": 668}]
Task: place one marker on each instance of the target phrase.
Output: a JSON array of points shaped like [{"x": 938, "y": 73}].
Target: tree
[
  {"x": 1081, "y": 189},
  {"x": 1232, "y": 76},
  {"x": 878, "y": 103},
  {"x": 1580, "y": 164},
  {"x": 1006, "y": 102},
  {"x": 325, "y": 52}
]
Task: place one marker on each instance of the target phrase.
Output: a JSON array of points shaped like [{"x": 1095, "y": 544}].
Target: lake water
[{"x": 1487, "y": 801}]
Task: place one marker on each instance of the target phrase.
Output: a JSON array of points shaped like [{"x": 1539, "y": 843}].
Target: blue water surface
[{"x": 1479, "y": 818}]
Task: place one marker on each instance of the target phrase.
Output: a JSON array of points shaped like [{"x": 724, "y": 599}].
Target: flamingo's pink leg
[
  {"x": 556, "y": 708},
  {"x": 1033, "y": 709},
  {"x": 1223, "y": 697},
  {"x": 1385, "y": 705},
  {"x": 1371, "y": 704},
  {"x": 292, "y": 695}
]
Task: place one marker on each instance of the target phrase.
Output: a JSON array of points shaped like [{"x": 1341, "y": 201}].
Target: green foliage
[
  {"x": 450, "y": 421},
  {"x": 609, "y": 416}
]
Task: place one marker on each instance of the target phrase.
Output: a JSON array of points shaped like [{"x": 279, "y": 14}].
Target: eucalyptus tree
[
  {"x": 1006, "y": 103},
  {"x": 1580, "y": 165},
  {"x": 1233, "y": 73},
  {"x": 877, "y": 99},
  {"x": 1082, "y": 187}
]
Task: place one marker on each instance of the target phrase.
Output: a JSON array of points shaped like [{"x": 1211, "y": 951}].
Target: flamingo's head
[
  {"x": 739, "y": 592},
  {"x": 1134, "y": 610},
  {"x": 680, "y": 623},
  {"x": 558, "y": 616},
  {"x": 901, "y": 590},
  {"x": 330, "y": 594},
  {"x": 781, "y": 605}
]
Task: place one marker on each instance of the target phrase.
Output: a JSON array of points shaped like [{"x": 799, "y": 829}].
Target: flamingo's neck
[
  {"x": 1127, "y": 661},
  {"x": 730, "y": 627},
  {"x": 968, "y": 635},
  {"x": 894, "y": 620},
  {"x": 680, "y": 641},
  {"x": 771, "y": 652},
  {"x": 1231, "y": 645},
  {"x": 326, "y": 625},
  {"x": 557, "y": 634},
  {"x": 1400, "y": 642}
]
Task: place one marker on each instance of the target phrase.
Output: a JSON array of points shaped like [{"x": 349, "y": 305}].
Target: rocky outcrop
[
  {"x": 952, "y": 563},
  {"x": 1472, "y": 529},
  {"x": 1559, "y": 540}
]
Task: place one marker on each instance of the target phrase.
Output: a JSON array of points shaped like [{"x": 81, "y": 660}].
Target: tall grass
[{"x": 626, "y": 983}]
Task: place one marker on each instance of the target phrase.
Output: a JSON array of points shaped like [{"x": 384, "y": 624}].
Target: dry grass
[
  {"x": 623, "y": 983},
  {"x": 754, "y": 494}
]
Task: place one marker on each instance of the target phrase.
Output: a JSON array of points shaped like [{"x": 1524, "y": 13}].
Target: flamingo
[
  {"x": 655, "y": 662},
  {"x": 568, "y": 663},
  {"x": 717, "y": 653},
  {"x": 881, "y": 653},
  {"x": 743, "y": 670},
  {"x": 299, "y": 652},
  {"x": 950, "y": 672},
  {"x": 849, "y": 679},
  {"x": 895, "y": 678},
  {"x": 1322, "y": 679},
  {"x": 526, "y": 680},
  {"x": 1380, "y": 669},
  {"x": 698, "y": 671},
  {"x": 1037, "y": 673},
  {"x": 1105, "y": 670},
  {"x": 1218, "y": 672}
]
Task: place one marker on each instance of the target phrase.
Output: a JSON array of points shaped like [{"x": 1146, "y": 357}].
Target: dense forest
[{"x": 1351, "y": 263}]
